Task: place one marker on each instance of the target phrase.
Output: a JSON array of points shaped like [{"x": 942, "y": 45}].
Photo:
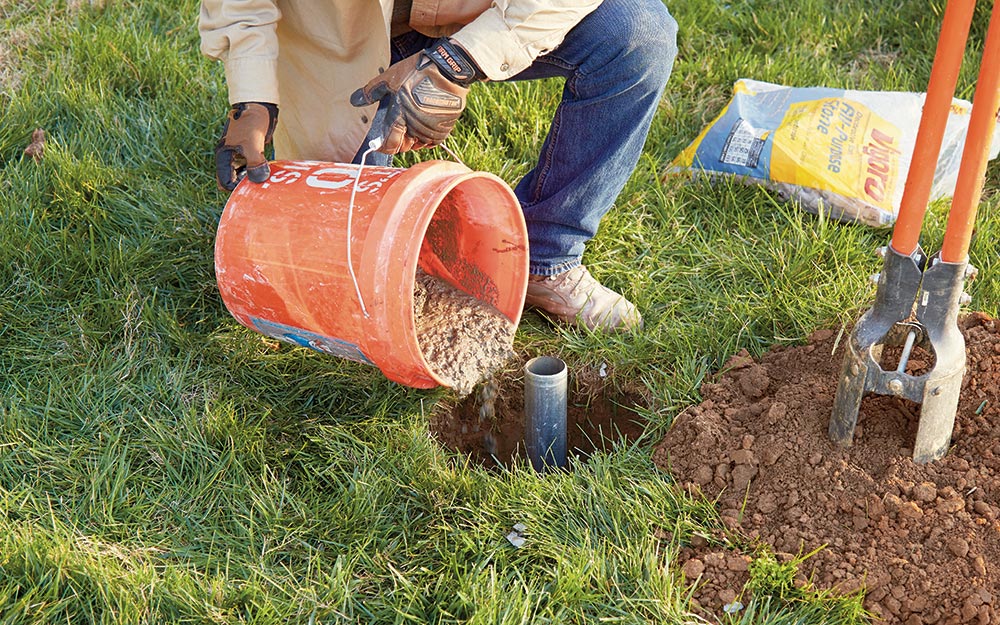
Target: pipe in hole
[{"x": 545, "y": 412}]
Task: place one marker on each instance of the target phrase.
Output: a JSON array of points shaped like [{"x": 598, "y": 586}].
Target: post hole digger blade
[
  {"x": 892, "y": 322},
  {"x": 918, "y": 299}
]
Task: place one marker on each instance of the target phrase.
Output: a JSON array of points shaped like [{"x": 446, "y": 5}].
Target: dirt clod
[
  {"x": 36, "y": 149},
  {"x": 919, "y": 540},
  {"x": 693, "y": 568}
]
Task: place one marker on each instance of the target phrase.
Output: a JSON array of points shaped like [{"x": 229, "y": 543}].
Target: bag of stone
[{"x": 841, "y": 152}]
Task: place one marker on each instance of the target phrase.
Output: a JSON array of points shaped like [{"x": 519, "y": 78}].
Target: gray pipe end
[{"x": 545, "y": 412}]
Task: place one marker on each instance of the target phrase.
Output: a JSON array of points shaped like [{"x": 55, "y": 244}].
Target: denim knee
[
  {"x": 648, "y": 37},
  {"x": 655, "y": 41}
]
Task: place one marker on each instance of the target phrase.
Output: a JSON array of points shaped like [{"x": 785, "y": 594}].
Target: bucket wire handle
[
  {"x": 451, "y": 153},
  {"x": 373, "y": 145}
]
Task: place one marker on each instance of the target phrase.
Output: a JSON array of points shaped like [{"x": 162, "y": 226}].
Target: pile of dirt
[
  {"x": 463, "y": 339},
  {"x": 921, "y": 541}
]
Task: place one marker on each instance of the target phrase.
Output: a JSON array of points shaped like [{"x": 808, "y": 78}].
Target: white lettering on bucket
[
  {"x": 284, "y": 176},
  {"x": 314, "y": 179}
]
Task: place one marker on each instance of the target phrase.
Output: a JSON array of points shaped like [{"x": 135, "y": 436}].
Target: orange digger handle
[
  {"x": 940, "y": 89},
  {"x": 975, "y": 154}
]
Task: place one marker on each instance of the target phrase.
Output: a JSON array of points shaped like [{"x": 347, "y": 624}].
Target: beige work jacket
[{"x": 308, "y": 56}]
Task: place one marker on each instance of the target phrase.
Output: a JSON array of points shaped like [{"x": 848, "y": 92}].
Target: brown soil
[
  {"x": 921, "y": 541},
  {"x": 489, "y": 426},
  {"x": 36, "y": 149},
  {"x": 463, "y": 339}
]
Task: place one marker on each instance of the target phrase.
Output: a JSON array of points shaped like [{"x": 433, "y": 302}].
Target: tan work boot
[{"x": 574, "y": 296}]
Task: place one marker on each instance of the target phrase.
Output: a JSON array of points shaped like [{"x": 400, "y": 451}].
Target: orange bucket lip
[{"x": 283, "y": 270}]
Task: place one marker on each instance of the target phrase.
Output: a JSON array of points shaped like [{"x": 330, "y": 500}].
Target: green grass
[{"x": 159, "y": 463}]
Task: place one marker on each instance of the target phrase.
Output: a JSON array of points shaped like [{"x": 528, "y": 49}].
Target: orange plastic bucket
[{"x": 281, "y": 255}]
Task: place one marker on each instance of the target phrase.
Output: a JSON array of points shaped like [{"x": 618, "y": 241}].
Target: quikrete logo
[{"x": 879, "y": 153}]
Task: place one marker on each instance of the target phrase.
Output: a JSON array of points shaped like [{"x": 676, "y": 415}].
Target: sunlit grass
[{"x": 160, "y": 463}]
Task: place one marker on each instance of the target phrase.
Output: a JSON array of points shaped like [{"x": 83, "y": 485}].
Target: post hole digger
[{"x": 918, "y": 297}]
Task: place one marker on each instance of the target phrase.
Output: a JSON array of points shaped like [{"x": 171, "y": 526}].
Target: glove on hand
[
  {"x": 426, "y": 95},
  {"x": 240, "y": 150}
]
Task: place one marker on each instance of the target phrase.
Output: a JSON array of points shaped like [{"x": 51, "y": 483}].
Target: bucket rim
[{"x": 427, "y": 183}]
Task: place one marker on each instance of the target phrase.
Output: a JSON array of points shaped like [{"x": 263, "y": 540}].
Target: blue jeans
[{"x": 616, "y": 62}]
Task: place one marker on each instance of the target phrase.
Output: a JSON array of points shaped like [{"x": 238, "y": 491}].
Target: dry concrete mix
[{"x": 463, "y": 339}]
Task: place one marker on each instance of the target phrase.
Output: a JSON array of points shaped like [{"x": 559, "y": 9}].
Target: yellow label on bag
[{"x": 841, "y": 146}]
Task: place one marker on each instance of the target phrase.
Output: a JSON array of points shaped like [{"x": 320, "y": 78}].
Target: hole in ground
[
  {"x": 597, "y": 417},
  {"x": 920, "y": 358}
]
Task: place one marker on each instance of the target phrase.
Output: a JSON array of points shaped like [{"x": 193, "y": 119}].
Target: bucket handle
[
  {"x": 451, "y": 153},
  {"x": 373, "y": 145}
]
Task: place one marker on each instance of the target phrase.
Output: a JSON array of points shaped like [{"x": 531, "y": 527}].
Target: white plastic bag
[{"x": 843, "y": 152}]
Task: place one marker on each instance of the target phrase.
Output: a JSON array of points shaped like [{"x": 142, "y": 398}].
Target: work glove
[
  {"x": 240, "y": 151},
  {"x": 425, "y": 96}
]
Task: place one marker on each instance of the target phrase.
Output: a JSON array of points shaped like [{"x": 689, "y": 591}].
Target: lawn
[{"x": 160, "y": 463}]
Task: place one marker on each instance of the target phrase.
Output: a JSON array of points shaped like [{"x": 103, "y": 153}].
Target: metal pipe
[
  {"x": 545, "y": 412},
  {"x": 930, "y": 133},
  {"x": 904, "y": 358}
]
